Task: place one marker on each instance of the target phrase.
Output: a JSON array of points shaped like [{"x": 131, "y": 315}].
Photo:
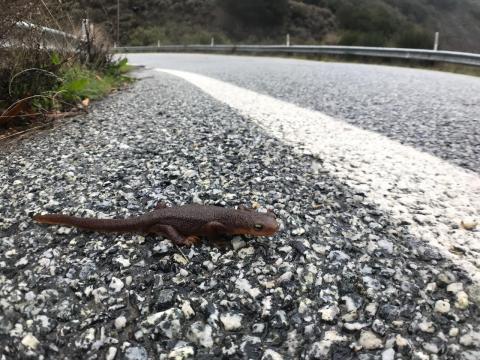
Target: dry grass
[{"x": 36, "y": 70}]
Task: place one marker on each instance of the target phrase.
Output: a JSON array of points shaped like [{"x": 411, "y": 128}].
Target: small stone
[
  {"x": 354, "y": 326},
  {"x": 474, "y": 293},
  {"x": 136, "y": 353},
  {"x": 427, "y": 327},
  {"x": 189, "y": 173},
  {"x": 187, "y": 310},
  {"x": 470, "y": 355},
  {"x": 238, "y": 243},
  {"x": 470, "y": 339},
  {"x": 246, "y": 252},
  {"x": 432, "y": 348},
  {"x": 258, "y": 328},
  {"x": 455, "y": 287},
  {"x": 116, "y": 285},
  {"x": 120, "y": 322},
  {"x": 379, "y": 327},
  {"x": 180, "y": 259},
  {"x": 269, "y": 354},
  {"x": 418, "y": 355},
  {"x": 231, "y": 322},
  {"x": 388, "y": 312},
  {"x": 386, "y": 246},
  {"x": 369, "y": 341},
  {"x": 329, "y": 313},
  {"x": 201, "y": 334},
  {"x": 453, "y": 332},
  {"x": 388, "y": 354},
  {"x": 30, "y": 341},
  {"x": 371, "y": 308},
  {"x": 298, "y": 231},
  {"x": 446, "y": 277},
  {"x": 469, "y": 224},
  {"x": 285, "y": 277},
  {"x": 462, "y": 300},
  {"x": 163, "y": 247},
  {"x": 245, "y": 286},
  {"x": 111, "y": 353},
  {"x": 401, "y": 342},
  {"x": 122, "y": 261},
  {"x": 164, "y": 299},
  {"x": 183, "y": 272},
  {"x": 181, "y": 351},
  {"x": 22, "y": 262},
  {"x": 442, "y": 306}
]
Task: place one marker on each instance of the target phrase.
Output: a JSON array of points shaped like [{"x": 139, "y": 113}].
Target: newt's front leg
[
  {"x": 172, "y": 234},
  {"x": 214, "y": 229}
]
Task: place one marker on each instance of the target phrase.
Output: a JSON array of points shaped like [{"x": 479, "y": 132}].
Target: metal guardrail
[
  {"x": 397, "y": 53},
  {"x": 45, "y": 30},
  {"x": 48, "y": 38}
]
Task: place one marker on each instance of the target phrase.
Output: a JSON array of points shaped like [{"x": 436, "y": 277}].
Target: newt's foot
[
  {"x": 161, "y": 205},
  {"x": 190, "y": 241}
]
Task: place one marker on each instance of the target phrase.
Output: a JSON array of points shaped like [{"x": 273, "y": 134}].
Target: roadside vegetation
[
  {"x": 396, "y": 23},
  {"x": 45, "y": 77}
]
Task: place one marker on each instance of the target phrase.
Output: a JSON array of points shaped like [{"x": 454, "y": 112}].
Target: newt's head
[{"x": 256, "y": 224}]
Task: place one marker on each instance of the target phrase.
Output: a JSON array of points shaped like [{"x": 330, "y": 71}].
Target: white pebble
[
  {"x": 388, "y": 354},
  {"x": 401, "y": 341},
  {"x": 187, "y": 309},
  {"x": 238, "y": 243},
  {"x": 329, "y": 313},
  {"x": 116, "y": 284},
  {"x": 271, "y": 355},
  {"x": 426, "y": 326},
  {"x": 462, "y": 300},
  {"x": 245, "y": 252},
  {"x": 442, "y": 306},
  {"x": 112, "y": 351},
  {"x": 180, "y": 259},
  {"x": 369, "y": 341},
  {"x": 455, "y": 287},
  {"x": 123, "y": 261},
  {"x": 231, "y": 322},
  {"x": 453, "y": 332},
  {"x": 30, "y": 341},
  {"x": 120, "y": 322}
]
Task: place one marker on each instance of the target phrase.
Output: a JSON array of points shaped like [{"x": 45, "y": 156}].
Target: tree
[{"x": 257, "y": 13}]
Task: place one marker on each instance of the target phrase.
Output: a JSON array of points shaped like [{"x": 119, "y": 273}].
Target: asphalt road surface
[{"x": 369, "y": 169}]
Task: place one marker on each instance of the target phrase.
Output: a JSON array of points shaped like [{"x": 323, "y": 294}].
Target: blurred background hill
[{"x": 398, "y": 23}]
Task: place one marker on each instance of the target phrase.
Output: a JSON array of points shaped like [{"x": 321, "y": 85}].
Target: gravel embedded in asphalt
[
  {"x": 433, "y": 111},
  {"x": 340, "y": 279}
]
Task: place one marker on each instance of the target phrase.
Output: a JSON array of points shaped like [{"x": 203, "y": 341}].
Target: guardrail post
[
  {"x": 287, "y": 41},
  {"x": 158, "y": 43},
  {"x": 85, "y": 30},
  {"x": 435, "y": 45},
  {"x": 212, "y": 41}
]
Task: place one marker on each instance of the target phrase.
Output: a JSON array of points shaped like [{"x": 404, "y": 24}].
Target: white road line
[{"x": 427, "y": 192}]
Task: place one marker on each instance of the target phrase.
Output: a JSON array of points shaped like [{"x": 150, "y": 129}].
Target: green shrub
[
  {"x": 355, "y": 38},
  {"x": 414, "y": 38},
  {"x": 174, "y": 34}
]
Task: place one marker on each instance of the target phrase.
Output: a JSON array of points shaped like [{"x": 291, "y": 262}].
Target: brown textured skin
[{"x": 183, "y": 224}]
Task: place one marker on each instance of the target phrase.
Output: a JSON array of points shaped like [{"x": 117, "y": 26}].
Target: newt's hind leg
[
  {"x": 161, "y": 205},
  {"x": 172, "y": 234}
]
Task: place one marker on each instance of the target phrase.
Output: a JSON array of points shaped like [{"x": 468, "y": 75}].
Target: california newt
[{"x": 181, "y": 224}]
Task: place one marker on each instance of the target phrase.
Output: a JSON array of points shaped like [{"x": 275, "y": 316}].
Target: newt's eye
[{"x": 258, "y": 226}]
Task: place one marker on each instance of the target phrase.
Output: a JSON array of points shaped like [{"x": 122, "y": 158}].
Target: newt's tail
[{"x": 103, "y": 225}]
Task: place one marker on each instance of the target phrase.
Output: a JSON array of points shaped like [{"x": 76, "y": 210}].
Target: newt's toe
[{"x": 191, "y": 240}]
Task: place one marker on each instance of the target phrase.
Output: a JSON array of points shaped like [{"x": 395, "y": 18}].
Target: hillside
[{"x": 402, "y": 23}]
